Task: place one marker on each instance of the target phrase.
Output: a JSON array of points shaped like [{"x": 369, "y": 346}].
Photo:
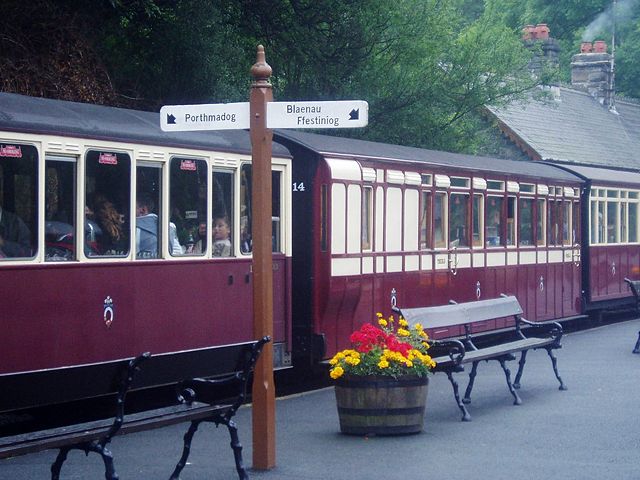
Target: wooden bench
[
  {"x": 634, "y": 285},
  {"x": 451, "y": 354},
  {"x": 197, "y": 401}
]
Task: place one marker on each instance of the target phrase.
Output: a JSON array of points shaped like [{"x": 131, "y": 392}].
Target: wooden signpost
[{"x": 260, "y": 115}]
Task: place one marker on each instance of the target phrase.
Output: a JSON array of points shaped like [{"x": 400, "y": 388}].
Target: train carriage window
[
  {"x": 476, "y": 220},
  {"x": 107, "y": 203},
  {"x": 18, "y": 201},
  {"x": 575, "y": 217},
  {"x": 601, "y": 222},
  {"x": 276, "y": 211},
  {"x": 593, "y": 218},
  {"x": 555, "y": 218},
  {"x": 246, "y": 245},
  {"x": 511, "y": 220},
  {"x": 425, "y": 221},
  {"x": 149, "y": 212},
  {"x": 633, "y": 222},
  {"x": 493, "y": 226},
  {"x": 525, "y": 222},
  {"x": 60, "y": 212},
  {"x": 246, "y": 242},
  {"x": 567, "y": 224},
  {"x": 541, "y": 221},
  {"x": 222, "y": 211},
  {"x": 623, "y": 222},
  {"x": 459, "y": 220},
  {"x": 367, "y": 218},
  {"x": 187, "y": 202},
  {"x": 439, "y": 220},
  {"x": 323, "y": 218},
  {"x": 613, "y": 221}
]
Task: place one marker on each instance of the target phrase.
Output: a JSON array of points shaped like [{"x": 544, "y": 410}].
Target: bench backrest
[
  {"x": 88, "y": 381},
  {"x": 462, "y": 313}
]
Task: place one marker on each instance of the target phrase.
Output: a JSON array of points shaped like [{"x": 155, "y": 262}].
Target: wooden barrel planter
[{"x": 381, "y": 405}]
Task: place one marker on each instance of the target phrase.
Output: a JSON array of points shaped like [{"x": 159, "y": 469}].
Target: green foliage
[{"x": 426, "y": 67}]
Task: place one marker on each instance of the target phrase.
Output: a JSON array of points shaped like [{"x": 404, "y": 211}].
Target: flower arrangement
[{"x": 387, "y": 349}]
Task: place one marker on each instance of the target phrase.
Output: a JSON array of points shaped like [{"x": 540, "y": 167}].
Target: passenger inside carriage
[
  {"x": 220, "y": 236},
  {"x": 14, "y": 236},
  {"x": 147, "y": 230}
]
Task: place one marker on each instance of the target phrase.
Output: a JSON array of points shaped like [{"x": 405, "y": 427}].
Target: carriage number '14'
[{"x": 298, "y": 187}]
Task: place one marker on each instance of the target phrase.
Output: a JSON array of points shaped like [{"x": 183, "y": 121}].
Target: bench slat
[
  {"x": 462, "y": 313},
  {"x": 496, "y": 350},
  {"x": 57, "y": 437}
]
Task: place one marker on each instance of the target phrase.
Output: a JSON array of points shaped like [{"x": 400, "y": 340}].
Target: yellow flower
[
  {"x": 403, "y": 323},
  {"x": 333, "y": 361},
  {"x": 403, "y": 332},
  {"x": 383, "y": 363},
  {"x": 352, "y": 361},
  {"x": 336, "y": 372},
  {"x": 382, "y": 322},
  {"x": 379, "y": 315}
]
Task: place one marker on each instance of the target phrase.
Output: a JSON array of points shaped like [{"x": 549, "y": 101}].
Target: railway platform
[{"x": 590, "y": 431}]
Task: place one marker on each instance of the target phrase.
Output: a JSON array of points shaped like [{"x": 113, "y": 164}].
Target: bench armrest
[
  {"x": 549, "y": 329},
  {"x": 454, "y": 349}
]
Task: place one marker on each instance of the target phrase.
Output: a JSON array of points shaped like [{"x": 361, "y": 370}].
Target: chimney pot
[
  {"x": 542, "y": 31},
  {"x": 600, "y": 46},
  {"x": 529, "y": 32},
  {"x": 585, "y": 47}
]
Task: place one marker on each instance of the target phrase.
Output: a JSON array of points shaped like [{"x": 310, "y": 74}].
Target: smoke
[{"x": 604, "y": 22}]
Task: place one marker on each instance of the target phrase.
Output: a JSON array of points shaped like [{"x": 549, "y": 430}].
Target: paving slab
[{"x": 590, "y": 431}]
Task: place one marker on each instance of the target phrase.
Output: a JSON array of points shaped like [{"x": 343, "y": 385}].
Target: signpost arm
[{"x": 263, "y": 418}]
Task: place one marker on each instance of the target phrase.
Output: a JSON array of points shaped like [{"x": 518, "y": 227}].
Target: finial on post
[{"x": 261, "y": 71}]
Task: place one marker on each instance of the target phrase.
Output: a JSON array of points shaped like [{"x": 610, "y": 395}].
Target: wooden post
[{"x": 263, "y": 417}]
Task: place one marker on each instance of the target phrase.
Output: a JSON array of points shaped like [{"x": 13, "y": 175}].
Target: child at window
[{"x": 221, "y": 234}]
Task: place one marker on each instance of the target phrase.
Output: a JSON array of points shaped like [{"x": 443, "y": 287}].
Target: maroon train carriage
[
  {"x": 611, "y": 228},
  {"x": 383, "y": 224},
  {"x": 117, "y": 238},
  {"x": 82, "y": 282}
]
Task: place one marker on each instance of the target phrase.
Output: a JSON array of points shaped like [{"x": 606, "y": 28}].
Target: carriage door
[{"x": 571, "y": 271}]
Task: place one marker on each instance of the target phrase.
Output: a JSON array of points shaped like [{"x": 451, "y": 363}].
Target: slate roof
[
  {"x": 574, "y": 128},
  {"x": 56, "y": 117},
  {"x": 362, "y": 149}
]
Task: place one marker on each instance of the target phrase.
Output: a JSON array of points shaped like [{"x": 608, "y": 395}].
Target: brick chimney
[
  {"x": 591, "y": 71},
  {"x": 538, "y": 35}
]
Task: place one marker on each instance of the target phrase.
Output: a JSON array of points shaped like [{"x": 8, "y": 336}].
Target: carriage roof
[
  {"x": 21, "y": 113},
  {"x": 361, "y": 149}
]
